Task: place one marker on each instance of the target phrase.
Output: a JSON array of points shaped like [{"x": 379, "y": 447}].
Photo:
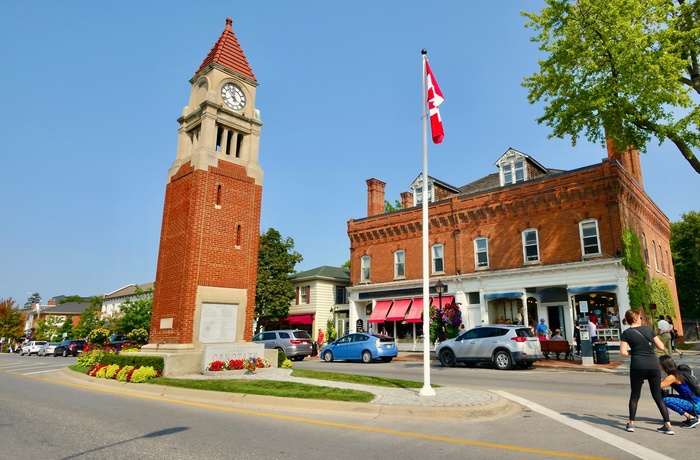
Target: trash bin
[
  {"x": 601, "y": 353},
  {"x": 314, "y": 349}
]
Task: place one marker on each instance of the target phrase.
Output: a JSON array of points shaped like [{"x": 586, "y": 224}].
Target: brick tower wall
[{"x": 200, "y": 245}]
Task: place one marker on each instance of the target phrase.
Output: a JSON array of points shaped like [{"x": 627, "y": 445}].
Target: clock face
[{"x": 233, "y": 96}]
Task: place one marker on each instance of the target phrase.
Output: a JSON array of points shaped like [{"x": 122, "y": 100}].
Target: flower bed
[
  {"x": 131, "y": 374},
  {"x": 250, "y": 365}
]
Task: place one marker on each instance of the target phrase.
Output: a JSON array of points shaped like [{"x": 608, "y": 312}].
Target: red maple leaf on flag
[{"x": 435, "y": 98}]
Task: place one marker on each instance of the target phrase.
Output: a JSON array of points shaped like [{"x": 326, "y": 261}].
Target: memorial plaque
[
  {"x": 217, "y": 323},
  {"x": 227, "y": 352}
]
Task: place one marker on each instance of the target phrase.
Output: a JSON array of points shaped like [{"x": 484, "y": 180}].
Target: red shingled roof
[{"x": 228, "y": 52}]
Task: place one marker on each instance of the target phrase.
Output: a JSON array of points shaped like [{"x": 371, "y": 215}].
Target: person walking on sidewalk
[
  {"x": 639, "y": 341},
  {"x": 685, "y": 403},
  {"x": 664, "y": 331},
  {"x": 674, "y": 336}
]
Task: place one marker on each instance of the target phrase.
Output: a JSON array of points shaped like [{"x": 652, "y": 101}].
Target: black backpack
[{"x": 689, "y": 378}]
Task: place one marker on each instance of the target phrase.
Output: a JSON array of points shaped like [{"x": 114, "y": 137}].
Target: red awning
[
  {"x": 299, "y": 319},
  {"x": 398, "y": 310},
  {"x": 380, "y": 311},
  {"x": 414, "y": 314},
  {"x": 446, "y": 299}
]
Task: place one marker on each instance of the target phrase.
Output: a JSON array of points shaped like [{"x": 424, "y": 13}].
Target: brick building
[{"x": 523, "y": 243}]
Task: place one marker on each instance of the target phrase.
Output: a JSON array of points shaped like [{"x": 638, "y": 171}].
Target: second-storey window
[
  {"x": 438, "y": 259},
  {"x": 481, "y": 252},
  {"x": 590, "y": 242},
  {"x": 531, "y": 250},
  {"x": 399, "y": 264},
  {"x": 364, "y": 268},
  {"x": 341, "y": 295}
]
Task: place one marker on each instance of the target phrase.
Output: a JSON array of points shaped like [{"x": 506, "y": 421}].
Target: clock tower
[{"x": 208, "y": 255}]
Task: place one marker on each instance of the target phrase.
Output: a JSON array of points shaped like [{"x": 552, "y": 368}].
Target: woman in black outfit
[{"x": 639, "y": 341}]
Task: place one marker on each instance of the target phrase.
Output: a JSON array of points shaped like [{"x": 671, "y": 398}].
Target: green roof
[{"x": 325, "y": 271}]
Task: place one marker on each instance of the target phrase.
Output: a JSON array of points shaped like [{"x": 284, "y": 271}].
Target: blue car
[{"x": 361, "y": 346}]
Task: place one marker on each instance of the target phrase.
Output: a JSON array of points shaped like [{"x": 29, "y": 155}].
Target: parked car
[
  {"x": 69, "y": 348},
  {"x": 360, "y": 346},
  {"x": 119, "y": 341},
  {"x": 31, "y": 348},
  {"x": 296, "y": 343},
  {"x": 47, "y": 349},
  {"x": 501, "y": 344}
]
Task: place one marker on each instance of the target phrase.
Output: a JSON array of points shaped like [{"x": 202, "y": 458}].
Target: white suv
[
  {"x": 501, "y": 344},
  {"x": 32, "y": 348}
]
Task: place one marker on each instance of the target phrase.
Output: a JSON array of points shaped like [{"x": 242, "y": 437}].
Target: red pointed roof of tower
[{"x": 228, "y": 52}]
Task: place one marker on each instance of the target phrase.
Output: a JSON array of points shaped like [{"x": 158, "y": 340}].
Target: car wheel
[
  {"x": 328, "y": 357},
  {"x": 65, "y": 353},
  {"x": 502, "y": 361},
  {"x": 366, "y": 356},
  {"x": 447, "y": 358},
  {"x": 387, "y": 359}
]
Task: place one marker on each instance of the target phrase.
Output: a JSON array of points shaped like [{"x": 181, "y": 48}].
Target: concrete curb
[{"x": 494, "y": 406}]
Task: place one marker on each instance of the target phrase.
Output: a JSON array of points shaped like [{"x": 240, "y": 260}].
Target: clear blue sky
[{"x": 91, "y": 92}]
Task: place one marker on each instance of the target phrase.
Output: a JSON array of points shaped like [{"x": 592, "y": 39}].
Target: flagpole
[{"x": 427, "y": 389}]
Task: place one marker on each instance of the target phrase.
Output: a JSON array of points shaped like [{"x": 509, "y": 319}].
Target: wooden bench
[{"x": 556, "y": 346}]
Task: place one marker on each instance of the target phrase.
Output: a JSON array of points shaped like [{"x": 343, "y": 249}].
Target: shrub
[
  {"x": 134, "y": 359},
  {"x": 124, "y": 372},
  {"x": 111, "y": 371},
  {"x": 99, "y": 336},
  {"x": 281, "y": 356},
  {"x": 139, "y": 336},
  {"x": 286, "y": 364},
  {"x": 142, "y": 374}
]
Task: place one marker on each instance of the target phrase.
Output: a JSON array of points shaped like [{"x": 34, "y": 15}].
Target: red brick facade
[{"x": 205, "y": 244}]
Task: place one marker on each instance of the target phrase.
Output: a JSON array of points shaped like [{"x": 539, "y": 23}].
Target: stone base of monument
[{"x": 184, "y": 360}]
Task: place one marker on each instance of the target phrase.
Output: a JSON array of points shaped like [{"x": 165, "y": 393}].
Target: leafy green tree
[
  {"x": 11, "y": 320},
  {"x": 66, "y": 328},
  {"x": 89, "y": 320},
  {"x": 34, "y": 298},
  {"x": 135, "y": 313},
  {"x": 276, "y": 261},
  {"x": 619, "y": 70},
  {"x": 47, "y": 328},
  {"x": 637, "y": 287},
  {"x": 71, "y": 298},
  {"x": 388, "y": 207},
  {"x": 685, "y": 250}
]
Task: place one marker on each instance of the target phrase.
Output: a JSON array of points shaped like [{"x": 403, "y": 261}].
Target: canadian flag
[{"x": 434, "y": 100}]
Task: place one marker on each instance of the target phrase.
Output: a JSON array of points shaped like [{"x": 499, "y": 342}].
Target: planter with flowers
[{"x": 248, "y": 366}]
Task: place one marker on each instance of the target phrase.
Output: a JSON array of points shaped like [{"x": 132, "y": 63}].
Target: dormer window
[
  {"x": 418, "y": 191},
  {"x": 512, "y": 167}
]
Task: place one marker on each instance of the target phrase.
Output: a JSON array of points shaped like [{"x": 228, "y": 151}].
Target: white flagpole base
[{"x": 427, "y": 391}]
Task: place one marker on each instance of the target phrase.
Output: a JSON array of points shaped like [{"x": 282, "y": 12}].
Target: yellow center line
[{"x": 317, "y": 422}]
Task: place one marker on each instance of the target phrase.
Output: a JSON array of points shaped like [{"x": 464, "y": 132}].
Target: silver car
[
  {"x": 31, "y": 348},
  {"x": 47, "y": 349},
  {"x": 503, "y": 345},
  {"x": 296, "y": 343}
]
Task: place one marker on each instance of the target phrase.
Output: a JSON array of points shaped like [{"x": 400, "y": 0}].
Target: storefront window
[
  {"x": 601, "y": 308},
  {"x": 506, "y": 311}
]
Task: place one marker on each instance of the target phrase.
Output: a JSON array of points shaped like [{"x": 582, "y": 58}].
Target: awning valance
[
  {"x": 398, "y": 310},
  {"x": 299, "y": 319},
  {"x": 604, "y": 287},
  {"x": 446, "y": 299},
  {"x": 414, "y": 314},
  {"x": 504, "y": 295},
  {"x": 380, "y": 310}
]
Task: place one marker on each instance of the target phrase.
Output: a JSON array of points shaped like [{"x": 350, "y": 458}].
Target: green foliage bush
[
  {"x": 142, "y": 374},
  {"x": 99, "y": 336},
  {"x": 286, "y": 364},
  {"x": 133, "y": 359},
  {"x": 111, "y": 371},
  {"x": 124, "y": 373},
  {"x": 139, "y": 336},
  {"x": 281, "y": 356}
]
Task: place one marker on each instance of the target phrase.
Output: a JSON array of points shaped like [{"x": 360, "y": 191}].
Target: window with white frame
[
  {"x": 590, "y": 240},
  {"x": 481, "y": 252},
  {"x": 646, "y": 250},
  {"x": 418, "y": 188},
  {"x": 531, "y": 251},
  {"x": 656, "y": 256},
  {"x": 661, "y": 256},
  {"x": 364, "y": 268},
  {"x": 400, "y": 264},
  {"x": 512, "y": 170},
  {"x": 438, "y": 259}
]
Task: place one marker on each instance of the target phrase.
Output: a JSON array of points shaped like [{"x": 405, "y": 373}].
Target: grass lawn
[{"x": 289, "y": 389}]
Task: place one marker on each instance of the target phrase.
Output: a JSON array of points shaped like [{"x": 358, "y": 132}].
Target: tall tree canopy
[
  {"x": 276, "y": 261},
  {"x": 626, "y": 70},
  {"x": 136, "y": 313},
  {"x": 685, "y": 250},
  {"x": 11, "y": 320}
]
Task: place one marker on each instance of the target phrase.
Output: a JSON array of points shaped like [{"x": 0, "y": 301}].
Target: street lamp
[{"x": 440, "y": 288}]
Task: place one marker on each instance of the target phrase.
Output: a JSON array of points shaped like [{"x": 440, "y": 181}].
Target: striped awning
[
  {"x": 380, "y": 310},
  {"x": 398, "y": 310},
  {"x": 414, "y": 314}
]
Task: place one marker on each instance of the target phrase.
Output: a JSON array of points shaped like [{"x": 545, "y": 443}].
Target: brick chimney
[
  {"x": 375, "y": 197},
  {"x": 406, "y": 200},
  {"x": 629, "y": 159}
]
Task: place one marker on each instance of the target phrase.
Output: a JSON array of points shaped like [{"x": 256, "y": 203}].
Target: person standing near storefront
[
  {"x": 639, "y": 342},
  {"x": 592, "y": 331},
  {"x": 664, "y": 331}
]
